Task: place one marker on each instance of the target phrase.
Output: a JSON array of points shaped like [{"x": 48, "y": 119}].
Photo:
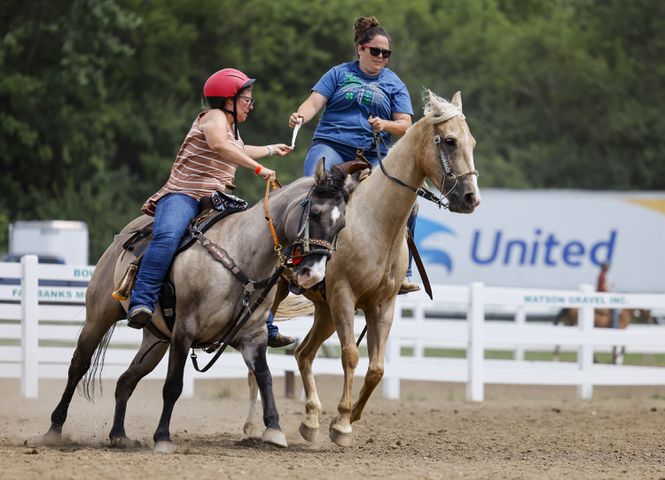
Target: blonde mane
[{"x": 439, "y": 109}]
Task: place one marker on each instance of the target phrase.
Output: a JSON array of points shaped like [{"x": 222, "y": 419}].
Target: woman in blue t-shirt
[{"x": 359, "y": 97}]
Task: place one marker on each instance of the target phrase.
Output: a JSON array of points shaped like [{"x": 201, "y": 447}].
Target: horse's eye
[
  {"x": 314, "y": 215},
  {"x": 450, "y": 141}
]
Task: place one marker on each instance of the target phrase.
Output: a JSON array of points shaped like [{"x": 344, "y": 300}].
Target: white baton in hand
[{"x": 295, "y": 133}]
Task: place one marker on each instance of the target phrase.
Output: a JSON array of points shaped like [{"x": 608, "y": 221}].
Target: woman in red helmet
[{"x": 206, "y": 162}]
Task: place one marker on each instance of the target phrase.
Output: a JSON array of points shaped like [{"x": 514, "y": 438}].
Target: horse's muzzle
[
  {"x": 312, "y": 270},
  {"x": 464, "y": 203}
]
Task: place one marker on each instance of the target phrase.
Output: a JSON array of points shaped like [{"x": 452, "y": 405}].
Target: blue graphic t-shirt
[{"x": 352, "y": 95}]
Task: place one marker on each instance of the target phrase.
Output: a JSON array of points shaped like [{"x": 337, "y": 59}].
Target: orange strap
[{"x": 275, "y": 185}]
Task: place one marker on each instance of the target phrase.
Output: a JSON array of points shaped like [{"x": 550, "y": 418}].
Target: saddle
[{"x": 212, "y": 209}]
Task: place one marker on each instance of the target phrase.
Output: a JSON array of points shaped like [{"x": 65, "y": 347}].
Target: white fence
[{"x": 39, "y": 323}]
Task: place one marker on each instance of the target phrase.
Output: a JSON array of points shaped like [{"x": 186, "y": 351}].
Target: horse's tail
[
  {"x": 294, "y": 306},
  {"x": 87, "y": 387}
]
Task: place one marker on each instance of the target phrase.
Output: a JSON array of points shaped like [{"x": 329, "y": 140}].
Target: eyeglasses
[
  {"x": 375, "y": 52},
  {"x": 249, "y": 100}
]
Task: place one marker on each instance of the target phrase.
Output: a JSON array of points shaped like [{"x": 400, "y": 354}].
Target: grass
[
  {"x": 657, "y": 359},
  {"x": 539, "y": 356}
]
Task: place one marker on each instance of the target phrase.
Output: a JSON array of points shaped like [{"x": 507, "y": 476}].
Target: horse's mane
[
  {"x": 439, "y": 109},
  {"x": 334, "y": 186}
]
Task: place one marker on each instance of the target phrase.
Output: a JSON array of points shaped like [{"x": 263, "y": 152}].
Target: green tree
[{"x": 97, "y": 95}]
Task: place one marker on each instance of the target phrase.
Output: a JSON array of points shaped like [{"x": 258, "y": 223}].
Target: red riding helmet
[{"x": 226, "y": 83}]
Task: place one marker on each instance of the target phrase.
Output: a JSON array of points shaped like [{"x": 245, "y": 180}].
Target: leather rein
[{"x": 445, "y": 163}]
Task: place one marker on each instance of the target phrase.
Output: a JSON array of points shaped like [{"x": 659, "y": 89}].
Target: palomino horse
[
  {"x": 602, "y": 318},
  {"x": 210, "y": 297},
  {"x": 371, "y": 257}
]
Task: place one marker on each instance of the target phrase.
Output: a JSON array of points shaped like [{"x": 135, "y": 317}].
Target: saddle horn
[{"x": 353, "y": 166}]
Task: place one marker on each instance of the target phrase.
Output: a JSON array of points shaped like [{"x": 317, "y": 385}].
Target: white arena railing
[{"x": 39, "y": 326}]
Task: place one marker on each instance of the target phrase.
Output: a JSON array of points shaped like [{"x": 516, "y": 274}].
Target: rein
[
  {"x": 445, "y": 163},
  {"x": 278, "y": 246}
]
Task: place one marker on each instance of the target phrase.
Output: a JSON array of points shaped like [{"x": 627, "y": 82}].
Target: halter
[
  {"x": 301, "y": 247},
  {"x": 443, "y": 158}
]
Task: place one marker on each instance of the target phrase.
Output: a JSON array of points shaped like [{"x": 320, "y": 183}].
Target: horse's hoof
[
  {"x": 251, "y": 430},
  {"x": 164, "y": 447},
  {"x": 274, "y": 437},
  {"x": 124, "y": 442},
  {"x": 52, "y": 437},
  {"x": 342, "y": 439},
  {"x": 308, "y": 433}
]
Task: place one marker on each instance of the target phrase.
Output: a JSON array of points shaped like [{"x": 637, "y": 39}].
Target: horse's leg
[
  {"x": 152, "y": 350},
  {"x": 180, "y": 343},
  {"x": 254, "y": 354},
  {"x": 343, "y": 314},
  {"x": 102, "y": 312},
  {"x": 250, "y": 428},
  {"x": 281, "y": 293},
  {"x": 321, "y": 330},
  {"x": 621, "y": 355},
  {"x": 379, "y": 320},
  {"x": 561, "y": 315}
]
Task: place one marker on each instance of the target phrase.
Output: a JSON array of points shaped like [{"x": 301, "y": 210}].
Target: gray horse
[{"x": 210, "y": 297}]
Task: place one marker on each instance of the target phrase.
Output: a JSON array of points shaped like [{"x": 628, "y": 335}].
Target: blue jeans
[
  {"x": 172, "y": 217},
  {"x": 336, "y": 153},
  {"x": 272, "y": 328}
]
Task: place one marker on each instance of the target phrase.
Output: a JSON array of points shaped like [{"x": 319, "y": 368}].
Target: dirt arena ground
[{"x": 517, "y": 433}]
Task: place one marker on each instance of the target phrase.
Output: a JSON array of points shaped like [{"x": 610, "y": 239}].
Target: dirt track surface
[{"x": 517, "y": 433}]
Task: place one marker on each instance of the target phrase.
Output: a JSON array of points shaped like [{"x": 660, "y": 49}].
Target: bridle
[
  {"x": 448, "y": 173},
  {"x": 304, "y": 245}
]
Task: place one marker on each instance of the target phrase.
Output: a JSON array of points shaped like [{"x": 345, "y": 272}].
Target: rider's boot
[{"x": 138, "y": 317}]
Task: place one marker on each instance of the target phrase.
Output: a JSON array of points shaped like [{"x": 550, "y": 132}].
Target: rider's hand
[
  {"x": 267, "y": 174},
  {"x": 281, "y": 149},
  {"x": 295, "y": 119},
  {"x": 378, "y": 124}
]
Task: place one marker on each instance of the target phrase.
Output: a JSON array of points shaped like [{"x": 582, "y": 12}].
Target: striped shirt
[{"x": 197, "y": 171}]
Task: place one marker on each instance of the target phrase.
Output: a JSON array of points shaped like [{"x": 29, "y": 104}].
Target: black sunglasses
[{"x": 375, "y": 52}]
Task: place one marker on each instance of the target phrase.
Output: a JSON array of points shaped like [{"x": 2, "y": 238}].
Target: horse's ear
[
  {"x": 429, "y": 98},
  {"x": 432, "y": 103},
  {"x": 320, "y": 175},
  {"x": 457, "y": 100}
]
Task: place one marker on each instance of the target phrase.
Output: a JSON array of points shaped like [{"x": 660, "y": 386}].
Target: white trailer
[{"x": 64, "y": 239}]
